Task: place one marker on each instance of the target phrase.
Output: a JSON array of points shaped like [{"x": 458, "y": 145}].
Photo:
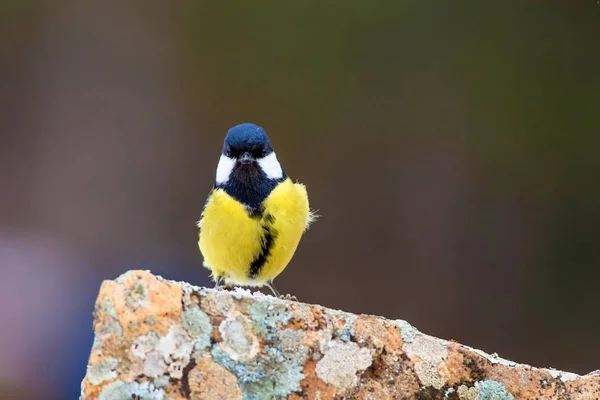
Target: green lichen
[
  {"x": 110, "y": 321},
  {"x": 286, "y": 381},
  {"x": 161, "y": 381},
  {"x": 120, "y": 390},
  {"x": 109, "y": 309},
  {"x": 407, "y": 331},
  {"x": 277, "y": 370},
  {"x": 140, "y": 290},
  {"x": 246, "y": 372},
  {"x": 287, "y": 374},
  {"x": 266, "y": 317},
  {"x": 102, "y": 371},
  {"x": 111, "y": 326},
  {"x": 198, "y": 326},
  {"x": 272, "y": 374},
  {"x": 137, "y": 296},
  {"x": 346, "y": 332},
  {"x": 492, "y": 390}
]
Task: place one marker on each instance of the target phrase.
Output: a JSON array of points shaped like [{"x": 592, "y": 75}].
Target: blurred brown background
[{"x": 452, "y": 151}]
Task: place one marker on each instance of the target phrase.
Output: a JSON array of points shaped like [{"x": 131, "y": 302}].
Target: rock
[{"x": 159, "y": 340}]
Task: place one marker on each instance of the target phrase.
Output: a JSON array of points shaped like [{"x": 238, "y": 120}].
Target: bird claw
[
  {"x": 288, "y": 297},
  {"x": 224, "y": 287}
]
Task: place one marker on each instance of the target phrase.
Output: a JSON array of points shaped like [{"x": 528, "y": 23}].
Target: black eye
[
  {"x": 259, "y": 152},
  {"x": 228, "y": 150}
]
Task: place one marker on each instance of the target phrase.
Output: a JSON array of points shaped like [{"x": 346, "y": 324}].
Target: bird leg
[
  {"x": 218, "y": 282},
  {"x": 271, "y": 286},
  {"x": 220, "y": 286}
]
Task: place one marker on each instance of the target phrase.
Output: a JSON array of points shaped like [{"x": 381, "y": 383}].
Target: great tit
[{"x": 254, "y": 216}]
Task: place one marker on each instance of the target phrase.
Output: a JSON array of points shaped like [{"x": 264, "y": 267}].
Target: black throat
[{"x": 249, "y": 185}]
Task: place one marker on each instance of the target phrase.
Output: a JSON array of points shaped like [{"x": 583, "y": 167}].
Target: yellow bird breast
[{"x": 251, "y": 250}]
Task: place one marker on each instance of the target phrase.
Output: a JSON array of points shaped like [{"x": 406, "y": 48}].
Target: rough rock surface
[{"x": 157, "y": 339}]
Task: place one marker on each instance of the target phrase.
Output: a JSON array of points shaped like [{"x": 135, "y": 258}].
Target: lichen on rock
[
  {"x": 163, "y": 340},
  {"x": 341, "y": 362}
]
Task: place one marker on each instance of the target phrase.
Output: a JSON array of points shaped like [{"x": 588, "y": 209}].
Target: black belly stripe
[{"x": 267, "y": 245}]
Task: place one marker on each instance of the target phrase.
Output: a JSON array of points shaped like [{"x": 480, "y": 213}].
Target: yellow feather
[{"x": 230, "y": 239}]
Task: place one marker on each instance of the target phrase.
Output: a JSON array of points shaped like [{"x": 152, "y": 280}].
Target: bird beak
[{"x": 246, "y": 158}]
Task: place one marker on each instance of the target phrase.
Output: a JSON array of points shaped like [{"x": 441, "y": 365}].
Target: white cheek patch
[
  {"x": 270, "y": 166},
  {"x": 224, "y": 168}
]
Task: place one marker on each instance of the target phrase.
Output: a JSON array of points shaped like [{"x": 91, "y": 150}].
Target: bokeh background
[{"x": 453, "y": 152}]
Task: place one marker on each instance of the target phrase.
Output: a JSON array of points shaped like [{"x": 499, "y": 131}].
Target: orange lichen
[{"x": 157, "y": 339}]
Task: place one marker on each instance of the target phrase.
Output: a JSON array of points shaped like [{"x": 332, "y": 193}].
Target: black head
[
  {"x": 248, "y": 169},
  {"x": 247, "y": 143}
]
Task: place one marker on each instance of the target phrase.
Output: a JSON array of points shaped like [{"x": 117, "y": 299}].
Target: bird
[{"x": 254, "y": 216}]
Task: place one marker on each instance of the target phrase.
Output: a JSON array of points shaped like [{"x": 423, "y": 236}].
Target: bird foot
[
  {"x": 225, "y": 287},
  {"x": 288, "y": 297}
]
